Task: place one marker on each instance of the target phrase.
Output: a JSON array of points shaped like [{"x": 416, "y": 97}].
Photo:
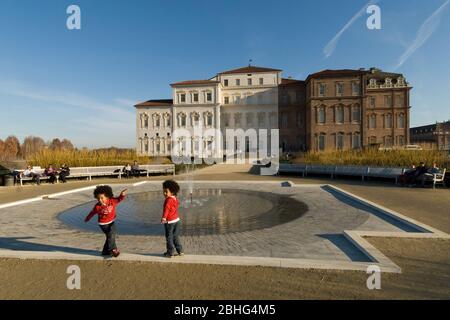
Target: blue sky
[{"x": 82, "y": 84}]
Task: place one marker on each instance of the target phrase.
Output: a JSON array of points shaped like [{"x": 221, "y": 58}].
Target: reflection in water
[{"x": 210, "y": 211}]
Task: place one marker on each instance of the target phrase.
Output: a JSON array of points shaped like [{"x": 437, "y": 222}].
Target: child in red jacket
[
  {"x": 106, "y": 211},
  {"x": 170, "y": 218}
]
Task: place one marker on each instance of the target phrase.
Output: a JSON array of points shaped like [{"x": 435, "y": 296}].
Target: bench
[
  {"x": 320, "y": 169},
  {"x": 352, "y": 171},
  {"x": 104, "y": 171},
  {"x": 292, "y": 168},
  {"x": 387, "y": 173},
  {"x": 436, "y": 178}
]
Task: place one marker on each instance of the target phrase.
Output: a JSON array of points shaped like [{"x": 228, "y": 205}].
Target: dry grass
[
  {"x": 391, "y": 158},
  {"x": 86, "y": 158}
]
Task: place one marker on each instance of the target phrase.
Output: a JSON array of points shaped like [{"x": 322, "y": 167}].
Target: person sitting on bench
[{"x": 30, "y": 173}]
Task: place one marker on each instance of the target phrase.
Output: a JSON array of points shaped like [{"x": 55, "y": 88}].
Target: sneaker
[
  {"x": 180, "y": 254},
  {"x": 168, "y": 255},
  {"x": 106, "y": 253},
  {"x": 115, "y": 253}
]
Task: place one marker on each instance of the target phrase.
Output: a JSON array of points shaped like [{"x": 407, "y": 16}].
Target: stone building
[
  {"x": 330, "y": 110},
  {"x": 432, "y": 137}
]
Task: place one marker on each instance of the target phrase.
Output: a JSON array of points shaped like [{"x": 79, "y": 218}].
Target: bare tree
[
  {"x": 2, "y": 150},
  {"x": 32, "y": 145},
  {"x": 66, "y": 144},
  {"x": 55, "y": 144},
  {"x": 12, "y": 148}
]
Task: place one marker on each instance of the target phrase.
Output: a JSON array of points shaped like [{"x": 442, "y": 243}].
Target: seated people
[
  {"x": 51, "y": 173},
  {"x": 135, "y": 171},
  {"x": 64, "y": 172},
  {"x": 31, "y": 173},
  {"x": 127, "y": 170}
]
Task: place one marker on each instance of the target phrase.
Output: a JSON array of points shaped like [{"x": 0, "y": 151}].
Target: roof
[
  {"x": 250, "y": 69},
  {"x": 337, "y": 73},
  {"x": 286, "y": 82},
  {"x": 155, "y": 103},
  {"x": 194, "y": 82}
]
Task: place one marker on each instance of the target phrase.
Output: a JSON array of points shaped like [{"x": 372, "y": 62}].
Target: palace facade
[{"x": 330, "y": 110}]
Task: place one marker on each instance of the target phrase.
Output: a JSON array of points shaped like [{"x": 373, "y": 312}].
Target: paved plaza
[{"x": 317, "y": 234}]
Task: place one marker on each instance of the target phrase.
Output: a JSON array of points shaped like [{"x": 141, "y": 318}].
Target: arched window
[
  {"x": 356, "y": 113},
  {"x": 388, "y": 121},
  {"x": 182, "y": 119},
  {"x": 321, "y": 143},
  {"x": 372, "y": 121},
  {"x": 340, "y": 140},
  {"x": 401, "y": 121},
  {"x": 339, "y": 116},
  {"x": 321, "y": 115},
  {"x": 356, "y": 140}
]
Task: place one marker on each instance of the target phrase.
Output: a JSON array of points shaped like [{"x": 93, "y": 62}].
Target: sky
[{"x": 82, "y": 84}]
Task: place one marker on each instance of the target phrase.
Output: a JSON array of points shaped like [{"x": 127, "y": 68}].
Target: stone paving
[{"x": 317, "y": 234}]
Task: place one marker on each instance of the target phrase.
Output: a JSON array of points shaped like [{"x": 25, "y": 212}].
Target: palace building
[{"x": 330, "y": 110}]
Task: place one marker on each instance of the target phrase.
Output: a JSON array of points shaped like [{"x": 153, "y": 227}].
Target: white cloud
[
  {"x": 331, "y": 46},
  {"x": 425, "y": 32}
]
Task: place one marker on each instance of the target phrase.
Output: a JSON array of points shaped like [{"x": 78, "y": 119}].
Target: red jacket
[
  {"x": 106, "y": 213},
  {"x": 170, "y": 212}
]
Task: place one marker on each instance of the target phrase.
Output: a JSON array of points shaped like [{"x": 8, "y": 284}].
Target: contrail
[
  {"x": 329, "y": 48},
  {"x": 425, "y": 32}
]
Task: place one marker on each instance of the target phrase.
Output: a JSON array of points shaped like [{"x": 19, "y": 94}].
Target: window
[
  {"x": 238, "y": 82},
  {"x": 261, "y": 119},
  {"x": 157, "y": 121},
  {"x": 249, "y": 81},
  {"x": 372, "y": 121},
  {"x": 399, "y": 101},
  {"x": 209, "y": 119},
  {"x": 388, "y": 141},
  {"x": 373, "y": 102},
  {"x": 321, "y": 142},
  {"x": 183, "y": 98},
  {"x": 238, "y": 120},
  {"x": 146, "y": 122},
  {"x": 168, "y": 121},
  {"x": 299, "y": 120},
  {"x": 388, "y": 121},
  {"x": 388, "y": 101},
  {"x": 226, "y": 120},
  {"x": 340, "y": 141},
  {"x": 401, "y": 121},
  {"x": 237, "y": 99},
  {"x": 339, "y": 89},
  {"x": 321, "y": 117},
  {"x": 249, "y": 119},
  {"x": 339, "y": 114},
  {"x": 209, "y": 96},
  {"x": 355, "y": 88},
  {"x": 372, "y": 140},
  {"x": 322, "y": 89},
  {"x": 225, "y": 82},
  {"x": 195, "y": 97},
  {"x": 356, "y": 140},
  {"x": 182, "y": 120},
  {"x": 261, "y": 81},
  {"x": 284, "y": 120},
  {"x": 226, "y": 100},
  {"x": 401, "y": 140},
  {"x": 356, "y": 113}
]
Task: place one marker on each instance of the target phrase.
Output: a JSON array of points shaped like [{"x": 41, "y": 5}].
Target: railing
[
  {"x": 333, "y": 171},
  {"x": 117, "y": 171}
]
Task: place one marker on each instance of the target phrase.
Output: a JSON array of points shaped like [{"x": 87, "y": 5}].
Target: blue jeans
[
  {"x": 173, "y": 237},
  {"x": 110, "y": 232}
]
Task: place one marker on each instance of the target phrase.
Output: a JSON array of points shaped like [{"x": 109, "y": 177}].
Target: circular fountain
[{"x": 202, "y": 211}]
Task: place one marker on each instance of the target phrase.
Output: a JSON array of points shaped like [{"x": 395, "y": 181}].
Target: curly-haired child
[
  {"x": 170, "y": 218},
  {"x": 105, "y": 208}
]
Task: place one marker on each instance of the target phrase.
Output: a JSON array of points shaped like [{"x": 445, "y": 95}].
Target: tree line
[{"x": 12, "y": 149}]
